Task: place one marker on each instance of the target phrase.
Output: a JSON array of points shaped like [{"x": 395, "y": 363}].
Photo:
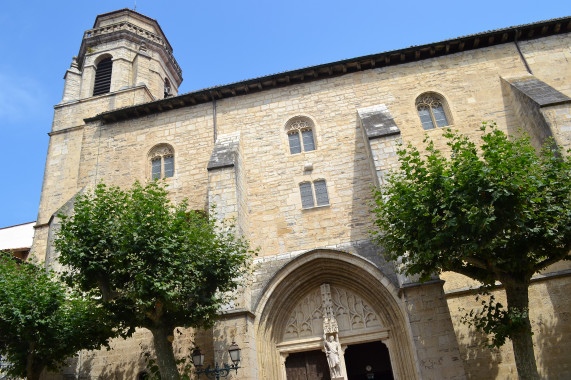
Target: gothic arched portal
[{"x": 365, "y": 303}]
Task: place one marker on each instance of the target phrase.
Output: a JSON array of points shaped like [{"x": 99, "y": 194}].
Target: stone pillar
[
  {"x": 236, "y": 327},
  {"x": 540, "y": 110},
  {"x": 72, "y": 82},
  {"x": 142, "y": 67},
  {"x": 87, "y": 80},
  {"x": 381, "y": 136},
  {"x": 433, "y": 334}
]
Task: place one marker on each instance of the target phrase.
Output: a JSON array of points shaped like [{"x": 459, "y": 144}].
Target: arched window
[
  {"x": 432, "y": 110},
  {"x": 313, "y": 194},
  {"x": 167, "y": 88},
  {"x": 103, "y": 77},
  {"x": 300, "y": 135},
  {"x": 161, "y": 159}
]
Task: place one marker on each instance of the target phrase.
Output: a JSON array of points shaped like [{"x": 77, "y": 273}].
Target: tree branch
[
  {"x": 476, "y": 262},
  {"x": 475, "y": 273},
  {"x": 548, "y": 261}
]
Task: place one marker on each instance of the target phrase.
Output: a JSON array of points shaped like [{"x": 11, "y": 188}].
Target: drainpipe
[{"x": 520, "y": 53}]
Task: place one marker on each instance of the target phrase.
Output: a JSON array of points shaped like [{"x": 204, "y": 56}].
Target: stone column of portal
[{"x": 331, "y": 329}]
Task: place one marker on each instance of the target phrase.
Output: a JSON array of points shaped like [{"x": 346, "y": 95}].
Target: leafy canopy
[
  {"x": 498, "y": 213},
  {"x": 42, "y": 322},
  {"x": 153, "y": 263}
]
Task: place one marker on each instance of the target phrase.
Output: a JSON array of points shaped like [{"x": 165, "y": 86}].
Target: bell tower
[
  {"x": 124, "y": 60},
  {"x": 124, "y": 51}
]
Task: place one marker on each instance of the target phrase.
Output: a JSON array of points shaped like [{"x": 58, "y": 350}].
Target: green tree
[
  {"x": 501, "y": 212},
  {"x": 42, "y": 322},
  {"x": 155, "y": 265}
]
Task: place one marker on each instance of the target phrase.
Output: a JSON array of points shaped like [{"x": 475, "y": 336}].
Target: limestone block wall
[
  {"x": 265, "y": 192},
  {"x": 558, "y": 118},
  {"x": 469, "y": 81},
  {"x": 118, "y": 154},
  {"x": 548, "y": 59},
  {"x": 72, "y": 86},
  {"x": 550, "y": 305},
  {"x": 72, "y": 114},
  {"x": 437, "y": 351}
]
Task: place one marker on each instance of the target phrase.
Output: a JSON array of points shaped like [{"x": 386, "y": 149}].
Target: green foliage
[
  {"x": 501, "y": 210},
  {"x": 42, "y": 322},
  {"x": 498, "y": 212},
  {"x": 149, "y": 259},
  {"x": 153, "y": 264}
]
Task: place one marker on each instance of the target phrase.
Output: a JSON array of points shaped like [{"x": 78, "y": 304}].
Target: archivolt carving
[
  {"x": 298, "y": 124},
  {"x": 161, "y": 150},
  {"x": 350, "y": 311},
  {"x": 426, "y": 101}
]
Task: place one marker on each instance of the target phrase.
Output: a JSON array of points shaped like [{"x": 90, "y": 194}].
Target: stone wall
[
  {"x": 550, "y": 309},
  {"x": 262, "y": 189}
]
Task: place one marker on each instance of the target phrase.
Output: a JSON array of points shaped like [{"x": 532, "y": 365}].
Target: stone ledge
[{"x": 377, "y": 121}]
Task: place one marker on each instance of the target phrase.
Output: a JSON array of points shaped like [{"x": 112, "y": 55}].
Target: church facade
[{"x": 293, "y": 158}]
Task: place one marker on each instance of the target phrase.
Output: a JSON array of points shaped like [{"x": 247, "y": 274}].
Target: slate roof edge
[{"x": 333, "y": 69}]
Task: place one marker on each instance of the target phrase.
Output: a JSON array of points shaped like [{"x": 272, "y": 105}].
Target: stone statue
[{"x": 333, "y": 350}]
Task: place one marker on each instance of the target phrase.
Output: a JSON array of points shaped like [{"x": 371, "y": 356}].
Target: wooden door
[{"x": 309, "y": 365}]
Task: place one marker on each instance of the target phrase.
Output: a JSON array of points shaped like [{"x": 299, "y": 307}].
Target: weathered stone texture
[
  {"x": 550, "y": 305},
  {"x": 248, "y": 172}
]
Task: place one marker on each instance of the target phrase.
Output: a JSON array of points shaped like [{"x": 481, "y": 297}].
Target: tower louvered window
[{"x": 103, "y": 77}]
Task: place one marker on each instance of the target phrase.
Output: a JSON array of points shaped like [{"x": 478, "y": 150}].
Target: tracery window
[
  {"x": 313, "y": 194},
  {"x": 103, "y": 73},
  {"x": 161, "y": 158},
  {"x": 432, "y": 110},
  {"x": 300, "y": 135}
]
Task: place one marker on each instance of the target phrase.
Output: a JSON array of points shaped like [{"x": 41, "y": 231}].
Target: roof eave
[{"x": 338, "y": 68}]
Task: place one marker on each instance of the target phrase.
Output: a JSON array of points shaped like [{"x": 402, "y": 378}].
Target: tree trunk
[
  {"x": 165, "y": 354},
  {"x": 34, "y": 374},
  {"x": 33, "y": 369},
  {"x": 518, "y": 297}
]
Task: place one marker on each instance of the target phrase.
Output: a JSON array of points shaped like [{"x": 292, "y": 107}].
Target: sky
[{"x": 215, "y": 43}]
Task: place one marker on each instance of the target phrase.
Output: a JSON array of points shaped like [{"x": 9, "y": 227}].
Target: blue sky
[{"x": 215, "y": 43}]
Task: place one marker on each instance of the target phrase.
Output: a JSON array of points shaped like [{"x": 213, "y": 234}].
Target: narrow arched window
[
  {"x": 300, "y": 135},
  {"x": 161, "y": 159},
  {"x": 167, "y": 88},
  {"x": 103, "y": 77},
  {"x": 432, "y": 110}
]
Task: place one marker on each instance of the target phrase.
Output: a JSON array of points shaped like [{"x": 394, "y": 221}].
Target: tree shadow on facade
[
  {"x": 480, "y": 361},
  {"x": 551, "y": 331}
]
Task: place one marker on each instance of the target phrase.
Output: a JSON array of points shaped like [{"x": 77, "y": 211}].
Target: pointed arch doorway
[{"x": 364, "y": 302}]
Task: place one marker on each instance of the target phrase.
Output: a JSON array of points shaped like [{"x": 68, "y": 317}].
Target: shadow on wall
[
  {"x": 480, "y": 361},
  {"x": 553, "y": 333}
]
